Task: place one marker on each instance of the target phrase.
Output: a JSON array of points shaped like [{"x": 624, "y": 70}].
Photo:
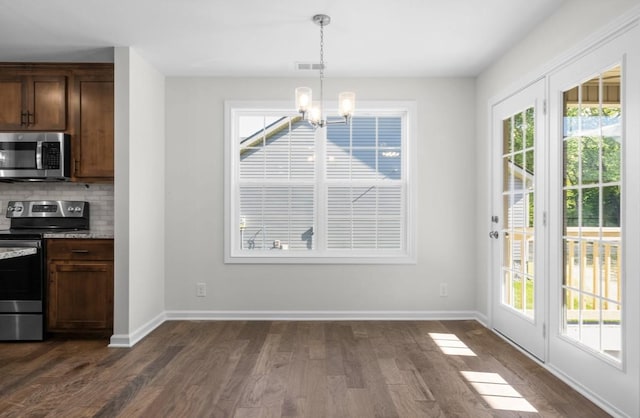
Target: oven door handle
[{"x": 20, "y": 243}]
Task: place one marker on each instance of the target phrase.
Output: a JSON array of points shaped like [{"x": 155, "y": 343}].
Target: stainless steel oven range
[{"x": 22, "y": 262}]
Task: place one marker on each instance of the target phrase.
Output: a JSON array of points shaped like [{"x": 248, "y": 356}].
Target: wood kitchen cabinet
[
  {"x": 80, "y": 286},
  {"x": 93, "y": 126},
  {"x": 32, "y": 102},
  {"x": 75, "y": 98}
]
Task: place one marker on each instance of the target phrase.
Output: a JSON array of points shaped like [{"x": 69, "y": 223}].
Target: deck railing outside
[{"x": 592, "y": 269}]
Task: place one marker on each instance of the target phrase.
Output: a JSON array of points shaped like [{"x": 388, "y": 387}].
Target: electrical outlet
[
  {"x": 444, "y": 292},
  {"x": 201, "y": 289}
]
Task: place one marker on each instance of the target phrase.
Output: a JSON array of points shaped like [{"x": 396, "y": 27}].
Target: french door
[
  {"x": 594, "y": 227},
  {"x": 565, "y": 230},
  {"x": 517, "y": 236}
]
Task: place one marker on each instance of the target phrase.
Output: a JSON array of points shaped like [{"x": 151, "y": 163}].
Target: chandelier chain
[{"x": 321, "y": 68}]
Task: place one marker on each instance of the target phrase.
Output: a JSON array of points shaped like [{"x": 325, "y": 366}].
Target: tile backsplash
[{"x": 100, "y": 197}]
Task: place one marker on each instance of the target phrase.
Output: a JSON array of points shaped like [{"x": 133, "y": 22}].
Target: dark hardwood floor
[{"x": 286, "y": 369}]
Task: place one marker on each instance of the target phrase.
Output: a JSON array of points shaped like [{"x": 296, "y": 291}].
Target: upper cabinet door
[
  {"x": 94, "y": 127},
  {"x": 33, "y": 103},
  {"x": 12, "y": 103},
  {"x": 47, "y": 103}
]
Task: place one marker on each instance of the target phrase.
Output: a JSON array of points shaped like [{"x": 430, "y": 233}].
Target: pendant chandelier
[{"x": 313, "y": 112}]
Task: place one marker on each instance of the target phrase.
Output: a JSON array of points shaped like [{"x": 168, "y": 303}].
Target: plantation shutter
[{"x": 277, "y": 192}]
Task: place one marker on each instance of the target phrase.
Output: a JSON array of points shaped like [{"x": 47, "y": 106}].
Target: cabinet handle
[
  {"x": 23, "y": 119},
  {"x": 31, "y": 118},
  {"x": 80, "y": 251}
]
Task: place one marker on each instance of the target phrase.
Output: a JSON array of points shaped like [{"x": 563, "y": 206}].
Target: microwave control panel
[{"x": 51, "y": 155}]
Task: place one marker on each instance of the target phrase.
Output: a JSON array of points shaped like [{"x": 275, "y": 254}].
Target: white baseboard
[
  {"x": 321, "y": 315},
  {"x": 129, "y": 340},
  {"x": 119, "y": 341},
  {"x": 482, "y": 318}
]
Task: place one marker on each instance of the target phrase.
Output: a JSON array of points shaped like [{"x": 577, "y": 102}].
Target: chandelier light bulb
[
  {"x": 303, "y": 99},
  {"x": 347, "y": 101},
  {"x": 315, "y": 115}
]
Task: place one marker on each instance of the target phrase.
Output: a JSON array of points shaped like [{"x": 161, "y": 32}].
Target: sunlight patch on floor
[
  {"x": 451, "y": 345},
  {"x": 497, "y": 392}
]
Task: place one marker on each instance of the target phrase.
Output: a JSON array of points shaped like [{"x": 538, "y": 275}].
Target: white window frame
[{"x": 232, "y": 252}]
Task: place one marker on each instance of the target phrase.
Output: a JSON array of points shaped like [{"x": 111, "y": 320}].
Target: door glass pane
[
  {"x": 592, "y": 170},
  {"x": 530, "y": 211},
  {"x": 590, "y": 158},
  {"x": 611, "y": 206},
  {"x": 572, "y": 263},
  {"x": 611, "y": 154},
  {"x": 517, "y": 292},
  {"x": 518, "y": 211},
  {"x": 529, "y": 296},
  {"x": 518, "y": 159},
  {"x": 571, "y": 158},
  {"x": 507, "y": 145},
  {"x": 589, "y": 207},
  {"x": 529, "y": 128},
  {"x": 529, "y": 164}
]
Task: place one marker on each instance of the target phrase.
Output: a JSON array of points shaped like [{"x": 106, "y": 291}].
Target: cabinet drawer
[{"x": 80, "y": 249}]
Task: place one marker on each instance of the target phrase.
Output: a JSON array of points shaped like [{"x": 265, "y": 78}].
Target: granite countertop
[
  {"x": 79, "y": 235},
  {"x": 13, "y": 252}
]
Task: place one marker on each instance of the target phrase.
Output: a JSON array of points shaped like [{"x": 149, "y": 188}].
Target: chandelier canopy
[{"x": 313, "y": 112}]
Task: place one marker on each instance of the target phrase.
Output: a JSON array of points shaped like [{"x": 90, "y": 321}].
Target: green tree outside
[{"x": 598, "y": 161}]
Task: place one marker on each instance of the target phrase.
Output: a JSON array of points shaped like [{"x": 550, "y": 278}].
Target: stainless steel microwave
[{"x": 35, "y": 156}]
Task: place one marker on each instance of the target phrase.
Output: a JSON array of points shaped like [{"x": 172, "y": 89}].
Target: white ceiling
[{"x": 383, "y": 38}]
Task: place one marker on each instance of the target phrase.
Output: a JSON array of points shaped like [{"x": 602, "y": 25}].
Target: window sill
[{"x": 400, "y": 258}]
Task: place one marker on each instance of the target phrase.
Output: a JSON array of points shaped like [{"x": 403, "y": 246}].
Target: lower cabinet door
[{"x": 80, "y": 296}]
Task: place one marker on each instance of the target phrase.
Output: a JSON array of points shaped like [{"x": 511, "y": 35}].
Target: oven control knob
[
  {"x": 71, "y": 209},
  {"x": 78, "y": 209}
]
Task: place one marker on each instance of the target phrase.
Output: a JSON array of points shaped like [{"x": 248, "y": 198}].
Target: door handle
[{"x": 494, "y": 234}]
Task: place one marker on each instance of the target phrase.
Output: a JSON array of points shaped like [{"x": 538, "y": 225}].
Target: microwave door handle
[{"x": 39, "y": 155}]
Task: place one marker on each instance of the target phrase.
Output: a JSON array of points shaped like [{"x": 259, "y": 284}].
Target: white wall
[
  {"x": 573, "y": 23},
  {"x": 139, "y": 194},
  {"x": 446, "y": 202},
  {"x": 121, "y": 197}
]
